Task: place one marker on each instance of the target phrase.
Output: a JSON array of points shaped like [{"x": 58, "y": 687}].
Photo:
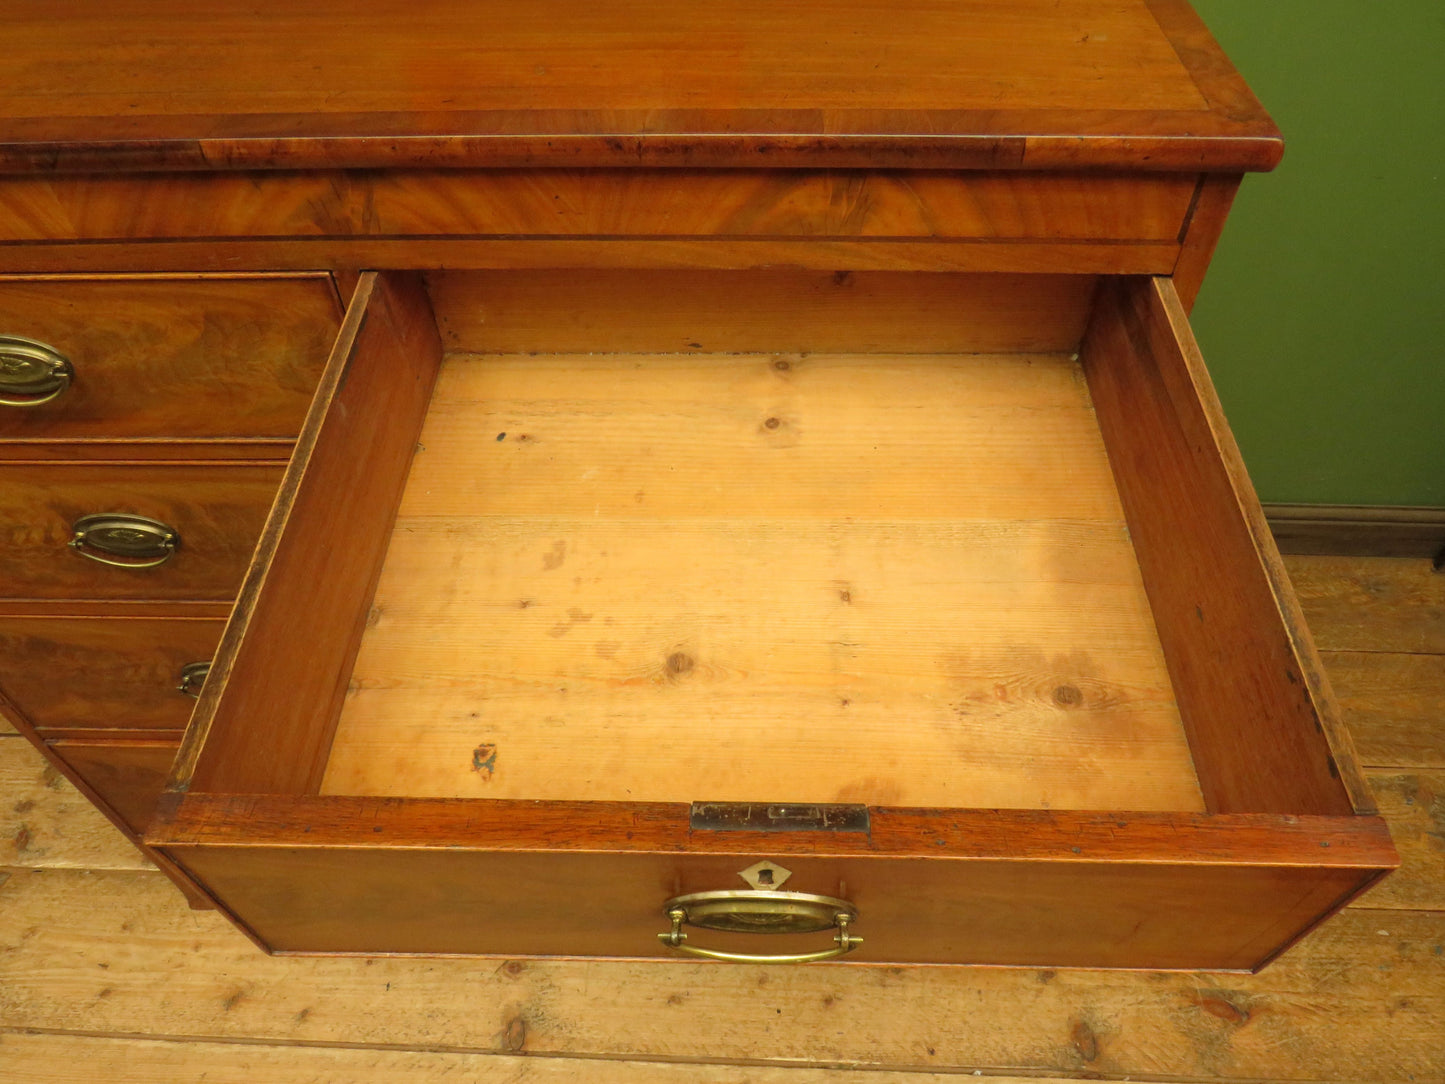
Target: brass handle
[
  {"x": 193, "y": 676},
  {"x": 31, "y": 373},
  {"x": 124, "y": 541},
  {"x": 761, "y": 912}
]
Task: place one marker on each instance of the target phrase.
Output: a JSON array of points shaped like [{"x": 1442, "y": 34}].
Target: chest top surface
[{"x": 1028, "y": 84}]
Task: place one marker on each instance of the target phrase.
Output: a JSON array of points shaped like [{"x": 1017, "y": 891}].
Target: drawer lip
[{"x": 1016, "y": 835}]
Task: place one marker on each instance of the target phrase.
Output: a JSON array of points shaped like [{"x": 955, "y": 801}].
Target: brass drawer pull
[
  {"x": 31, "y": 373},
  {"x": 749, "y": 911},
  {"x": 124, "y": 541},
  {"x": 193, "y": 676}
]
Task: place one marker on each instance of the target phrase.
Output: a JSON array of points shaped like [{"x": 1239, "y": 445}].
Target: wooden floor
[{"x": 106, "y": 976}]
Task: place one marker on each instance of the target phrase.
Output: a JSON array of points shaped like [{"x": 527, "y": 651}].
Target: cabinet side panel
[
  {"x": 285, "y": 658},
  {"x": 1201, "y": 233},
  {"x": 1261, "y": 718}
]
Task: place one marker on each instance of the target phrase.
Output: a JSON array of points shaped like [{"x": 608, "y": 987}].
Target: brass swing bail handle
[
  {"x": 31, "y": 373},
  {"x": 122, "y": 540},
  {"x": 192, "y": 677},
  {"x": 761, "y": 912}
]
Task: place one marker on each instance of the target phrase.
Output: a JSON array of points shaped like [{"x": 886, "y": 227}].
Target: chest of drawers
[{"x": 763, "y": 483}]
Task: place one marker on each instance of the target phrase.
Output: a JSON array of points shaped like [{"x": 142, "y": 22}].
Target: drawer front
[
  {"x": 150, "y": 358},
  {"x": 103, "y": 673},
  {"x": 216, "y": 511},
  {"x": 127, "y": 776}
]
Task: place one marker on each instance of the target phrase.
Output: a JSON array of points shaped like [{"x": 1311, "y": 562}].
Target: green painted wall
[{"x": 1323, "y": 315}]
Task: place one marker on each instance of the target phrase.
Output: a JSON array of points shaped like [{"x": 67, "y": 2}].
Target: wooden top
[{"x": 942, "y": 84}]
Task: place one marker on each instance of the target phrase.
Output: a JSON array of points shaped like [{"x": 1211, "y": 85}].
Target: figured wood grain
[
  {"x": 640, "y": 203},
  {"x": 103, "y": 673},
  {"x": 1261, "y": 718},
  {"x": 46, "y": 823},
  {"x": 592, "y": 311},
  {"x": 285, "y": 657},
  {"x": 1384, "y": 990},
  {"x": 217, "y": 508},
  {"x": 128, "y": 776},
  {"x": 350, "y": 255},
  {"x": 978, "y": 83},
  {"x": 1388, "y": 604},
  {"x": 178, "y": 357},
  {"x": 682, "y": 577}
]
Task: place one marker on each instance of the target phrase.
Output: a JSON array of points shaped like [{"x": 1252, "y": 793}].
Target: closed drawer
[
  {"x": 984, "y": 648},
  {"x": 161, "y": 358},
  {"x": 126, "y": 776},
  {"x": 216, "y": 512},
  {"x": 67, "y": 674}
]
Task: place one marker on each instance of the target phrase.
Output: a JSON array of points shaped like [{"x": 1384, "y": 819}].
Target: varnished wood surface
[
  {"x": 1358, "y": 530},
  {"x": 743, "y": 578},
  {"x": 218, "y": 510},
  {"x": 171, "y": 358},
  {"x": 1362, "y": 998},
  {"x": 449, "y": 900},
  {"x": 102, "y": 673},
  {"x": 1212, "y": 202},
  {"x": 961, "y": 85},
  {"x": 287, "y": 652},
  {"x": 128, "y": 776},
  {"x": 1254, "y": 700},
  {"x": 349, "y": 256}
]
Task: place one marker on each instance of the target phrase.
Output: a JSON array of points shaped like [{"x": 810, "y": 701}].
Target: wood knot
[
  {"x": 781, "y": 365},
  {"x": 1068, "y": 696},
  {"x": 1085, "y": 1041},
  {"x": 515, "y": 1037},
  {"x": 772, "y": 423},
  {"x": 679, "y": 663},
  {"x": 1217, "y": 1005}
]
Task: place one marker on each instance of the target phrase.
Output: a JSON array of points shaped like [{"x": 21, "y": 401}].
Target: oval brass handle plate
[
  {"x": 193, "y": 676},
  {"x": 31, "y": 372},
  {"x": 124, "y": 541},
  {"x": 761, "y": 911}
]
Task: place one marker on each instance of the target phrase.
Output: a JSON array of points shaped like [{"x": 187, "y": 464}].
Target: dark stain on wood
[{"x": 484, "y": 760}]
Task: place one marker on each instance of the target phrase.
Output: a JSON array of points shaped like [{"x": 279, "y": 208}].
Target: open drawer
[{"x": 598, "y": 606}]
